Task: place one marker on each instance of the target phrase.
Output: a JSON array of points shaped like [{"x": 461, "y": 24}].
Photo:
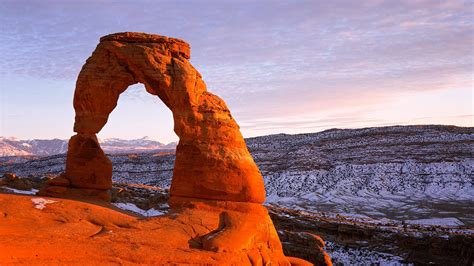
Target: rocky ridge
[{"x": 351, "y": 240}]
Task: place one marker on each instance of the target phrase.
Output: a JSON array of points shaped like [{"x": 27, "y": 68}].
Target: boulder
[
  {"x": 13, "y": 181},
  {"x": 87, "y": 166}
]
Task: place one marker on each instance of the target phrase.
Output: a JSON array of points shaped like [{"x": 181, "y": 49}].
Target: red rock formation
[
  {"x": 217, "y": 189},
  {"x": 73, "y": 232},
  {"x": 212, "y": 160}
]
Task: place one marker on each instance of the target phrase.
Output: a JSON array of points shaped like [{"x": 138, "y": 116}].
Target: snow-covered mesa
[{"x": 133, "y": 208}]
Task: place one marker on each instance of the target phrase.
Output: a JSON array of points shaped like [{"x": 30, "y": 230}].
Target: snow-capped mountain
[
  {"x": 41, "y": 147},
  {"x": 114, "y": 145}
]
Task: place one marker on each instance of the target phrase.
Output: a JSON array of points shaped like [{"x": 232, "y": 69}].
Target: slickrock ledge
[{"x": 73, "y": 232}]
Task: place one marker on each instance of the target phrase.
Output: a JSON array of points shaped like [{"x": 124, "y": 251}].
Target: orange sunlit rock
[
  {"x": 216, "y": 192},
  {"x": 68, "y": 231},
  {"x": 212, "y": 160}
]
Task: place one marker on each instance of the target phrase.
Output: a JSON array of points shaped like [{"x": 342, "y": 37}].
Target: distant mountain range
[{"x": 43, "y": 147}]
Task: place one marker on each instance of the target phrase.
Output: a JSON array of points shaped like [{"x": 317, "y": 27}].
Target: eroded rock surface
[
  {"x": 212, "y": 160},
  {"x": 73, "y": 232},
  {"x": 217, "y": 189}
]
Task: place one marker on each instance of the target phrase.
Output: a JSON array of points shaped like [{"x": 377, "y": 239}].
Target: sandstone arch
[
  {"x": 216, "y": 191},
  {"x": 212, "y": 160}
]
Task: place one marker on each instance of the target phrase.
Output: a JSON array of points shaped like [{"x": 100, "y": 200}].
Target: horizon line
[{"x": 263, "y": 135}]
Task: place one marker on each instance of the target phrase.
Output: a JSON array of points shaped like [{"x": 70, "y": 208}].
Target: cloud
[{"x": 265, "y": 58}]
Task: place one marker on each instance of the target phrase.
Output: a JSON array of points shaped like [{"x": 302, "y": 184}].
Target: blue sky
[{"x": 282, "y": 66}]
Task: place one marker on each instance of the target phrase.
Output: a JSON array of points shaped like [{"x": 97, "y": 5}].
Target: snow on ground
[
  {"x": 133, "y": 208},
  {"x": 40, "y": 203},
  {"x": 437, "y": 221},
  {"x": 410, "y": 208},
  {"x": 342, "y": 255},
  {"x": 25, "y": 192}
]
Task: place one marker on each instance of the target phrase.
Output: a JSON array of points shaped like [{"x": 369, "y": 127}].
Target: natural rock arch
[
  {"x": 216, "y": 191},
  {"x": 212, "y": 159}
]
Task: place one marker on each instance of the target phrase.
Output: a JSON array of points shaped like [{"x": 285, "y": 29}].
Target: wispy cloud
[{"x": 267, "y": 59}]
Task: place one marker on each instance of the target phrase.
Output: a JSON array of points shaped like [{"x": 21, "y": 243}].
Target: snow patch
[
  {"x": 24, "y": 192},
  {"x": 344, "y": 255},
  {"x": 450, "y": 221},
  {"x": 133, "y": 208},
  {"x": 40, "y": 203}
]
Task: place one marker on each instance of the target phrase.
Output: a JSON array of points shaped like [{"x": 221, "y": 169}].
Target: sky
[{"x": 281, "y": 66}]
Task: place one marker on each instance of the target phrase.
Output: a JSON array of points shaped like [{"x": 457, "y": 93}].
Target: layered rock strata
[
  {"x": 212, "y": 160},
  {"x": 217, "y": 189}
]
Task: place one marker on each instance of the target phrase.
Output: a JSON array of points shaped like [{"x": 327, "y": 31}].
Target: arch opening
[
  {"x": 139, "y": 114},
  {"x": 139, "y": 134}
]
